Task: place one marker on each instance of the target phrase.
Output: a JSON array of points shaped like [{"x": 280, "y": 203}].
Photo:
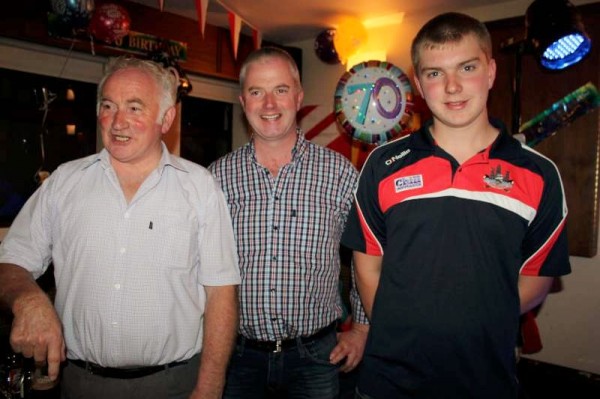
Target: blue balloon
[{"x": 77, "y": 13}]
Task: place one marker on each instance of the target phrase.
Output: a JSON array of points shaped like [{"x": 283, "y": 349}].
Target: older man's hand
[{"x": 37, "y": 332}]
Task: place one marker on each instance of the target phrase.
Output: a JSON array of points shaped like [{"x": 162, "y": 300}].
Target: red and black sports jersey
[{"x": 454, "y": 239}]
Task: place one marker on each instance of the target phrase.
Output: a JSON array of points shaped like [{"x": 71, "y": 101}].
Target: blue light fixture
[{"x": 556, "y": 34}]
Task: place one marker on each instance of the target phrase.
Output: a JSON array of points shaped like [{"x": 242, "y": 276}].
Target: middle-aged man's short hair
[
  {"x": 269, "y": 52},
  {"x": 446, "y": 28},
  {"x": 165, "y": 78}
]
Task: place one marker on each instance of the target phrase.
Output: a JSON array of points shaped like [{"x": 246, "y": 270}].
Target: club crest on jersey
[
  {"x": 498, "y": 180},
  {"x": 408, "y": 183}
]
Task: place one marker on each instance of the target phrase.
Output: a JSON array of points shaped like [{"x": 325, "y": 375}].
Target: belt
[
  {"x": 123, "y": 373},
  {"x": 278, "y": 346}
]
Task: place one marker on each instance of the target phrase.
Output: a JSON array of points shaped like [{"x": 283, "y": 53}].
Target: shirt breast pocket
[{"x": 173, "y": 240}]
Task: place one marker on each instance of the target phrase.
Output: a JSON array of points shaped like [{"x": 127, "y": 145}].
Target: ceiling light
[
  {"x": 386, "y": 20},
  {"x": 556, "y": 33}
]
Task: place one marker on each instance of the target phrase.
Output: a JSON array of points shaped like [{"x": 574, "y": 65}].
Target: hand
[
  {"x": 351, "y": 345},
  {"x": 37, "y": 332}
]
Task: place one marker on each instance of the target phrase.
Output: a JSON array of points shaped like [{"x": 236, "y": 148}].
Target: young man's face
[{"x": 454, "y": 79}]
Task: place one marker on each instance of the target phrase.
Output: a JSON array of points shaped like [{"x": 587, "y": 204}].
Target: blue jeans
[{"x": 302, "y": 371}]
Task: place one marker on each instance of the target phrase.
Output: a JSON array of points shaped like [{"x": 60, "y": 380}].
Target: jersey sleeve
[
  {"x": 365, "y": 229},
  {"x": 545, "y": 249}
]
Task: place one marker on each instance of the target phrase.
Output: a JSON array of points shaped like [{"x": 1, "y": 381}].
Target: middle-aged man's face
[
  {"x": 271, "y": 98},
  {"x": 455, "y": 79},
  {"x": 128, "y": 117}
]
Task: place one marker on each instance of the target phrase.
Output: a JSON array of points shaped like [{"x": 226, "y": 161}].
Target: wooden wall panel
[{"x": 575, "y": 148}]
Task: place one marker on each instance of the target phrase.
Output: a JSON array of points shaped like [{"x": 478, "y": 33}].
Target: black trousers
[{"x": 173, "y": 383}]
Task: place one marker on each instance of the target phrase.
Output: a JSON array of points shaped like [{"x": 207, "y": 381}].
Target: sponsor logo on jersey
[{"x": 408, "y": 183}]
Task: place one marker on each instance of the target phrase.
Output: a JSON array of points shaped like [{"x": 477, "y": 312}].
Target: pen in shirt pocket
[{"x": 151, "y": 225}]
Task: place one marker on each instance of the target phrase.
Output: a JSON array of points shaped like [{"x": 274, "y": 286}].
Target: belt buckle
[{"x": 277, "y": 346}]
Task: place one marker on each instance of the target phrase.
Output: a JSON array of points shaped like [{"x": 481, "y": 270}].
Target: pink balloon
[{"x": 110, "y": 22}]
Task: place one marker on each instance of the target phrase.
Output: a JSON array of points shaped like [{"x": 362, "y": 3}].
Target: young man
[
  {"x": 144, "y": 258},
  {"x": 457, "y": 229},
  {"x": 289, "y": 199}
]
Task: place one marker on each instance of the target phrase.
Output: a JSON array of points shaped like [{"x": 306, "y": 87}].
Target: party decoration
[
  {"x": 163, "y": 57},
  {"x": 256, "y": 38},
  {"x": 110, "y": 23},
  {"x": 324, "y": 47},
  {"x": 373, "y": 102},
  {"x": 559, "y": 114},
  {"x": 201, "y": 10},
  {"x": 350, "y": 35},
  {"x": 75, "y": 13},
  {"x": 235, "y": 27}
]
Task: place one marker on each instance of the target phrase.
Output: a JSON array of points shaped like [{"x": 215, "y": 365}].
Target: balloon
[
  {"x": 349, "y": 37},
  {"x": 110, "y": 23},
  {"x": 76, "y": 13},
  {"x": 324, "y": 47},
  {"x": 373, "y": 102}
]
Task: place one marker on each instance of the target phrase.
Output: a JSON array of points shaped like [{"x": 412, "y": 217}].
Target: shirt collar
[
  {"x": 297, "y": 151},
  {"x": 505, "y": 144},
  {"x": 166, "y": 159},
  {"x": 423, "y": 140}
]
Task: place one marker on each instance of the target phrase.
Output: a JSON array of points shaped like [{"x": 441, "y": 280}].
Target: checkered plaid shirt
[{"x": 288, "y": 231}]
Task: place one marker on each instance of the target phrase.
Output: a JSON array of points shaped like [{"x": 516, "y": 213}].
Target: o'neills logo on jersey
[
  {"x": 408, "y": 183},
  {"x": 393, "y": 159}
]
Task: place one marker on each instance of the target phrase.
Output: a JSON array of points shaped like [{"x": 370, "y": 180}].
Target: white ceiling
[{"x": 284, "y": 21}]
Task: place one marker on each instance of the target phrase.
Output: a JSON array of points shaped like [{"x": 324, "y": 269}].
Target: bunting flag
[
  {"x": 256, "y": 38},
  {"x": 235, "y": 26},
  {"x": 201, "y": 10},
  {"x": 161, "y": 5}
]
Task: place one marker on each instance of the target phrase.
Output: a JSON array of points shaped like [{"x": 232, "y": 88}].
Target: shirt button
[
  {"x": 114, "y": 324},
  {"x": 275, "y": 228},
  {"x": 127, "y": 215},
  {"x": 273, "y": 318},
  {"x": 272, "y": 289},
  {"x": 274, "y": 257},
  {"x": 122, "y": 250},
  {"x": 117, "y": 286}
]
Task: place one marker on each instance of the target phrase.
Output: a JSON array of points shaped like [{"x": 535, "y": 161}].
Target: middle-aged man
[
  {"x": 457, "y": 228},
  {"x": 144, "y": 258},
  {"x": 289, "y": 199}
]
